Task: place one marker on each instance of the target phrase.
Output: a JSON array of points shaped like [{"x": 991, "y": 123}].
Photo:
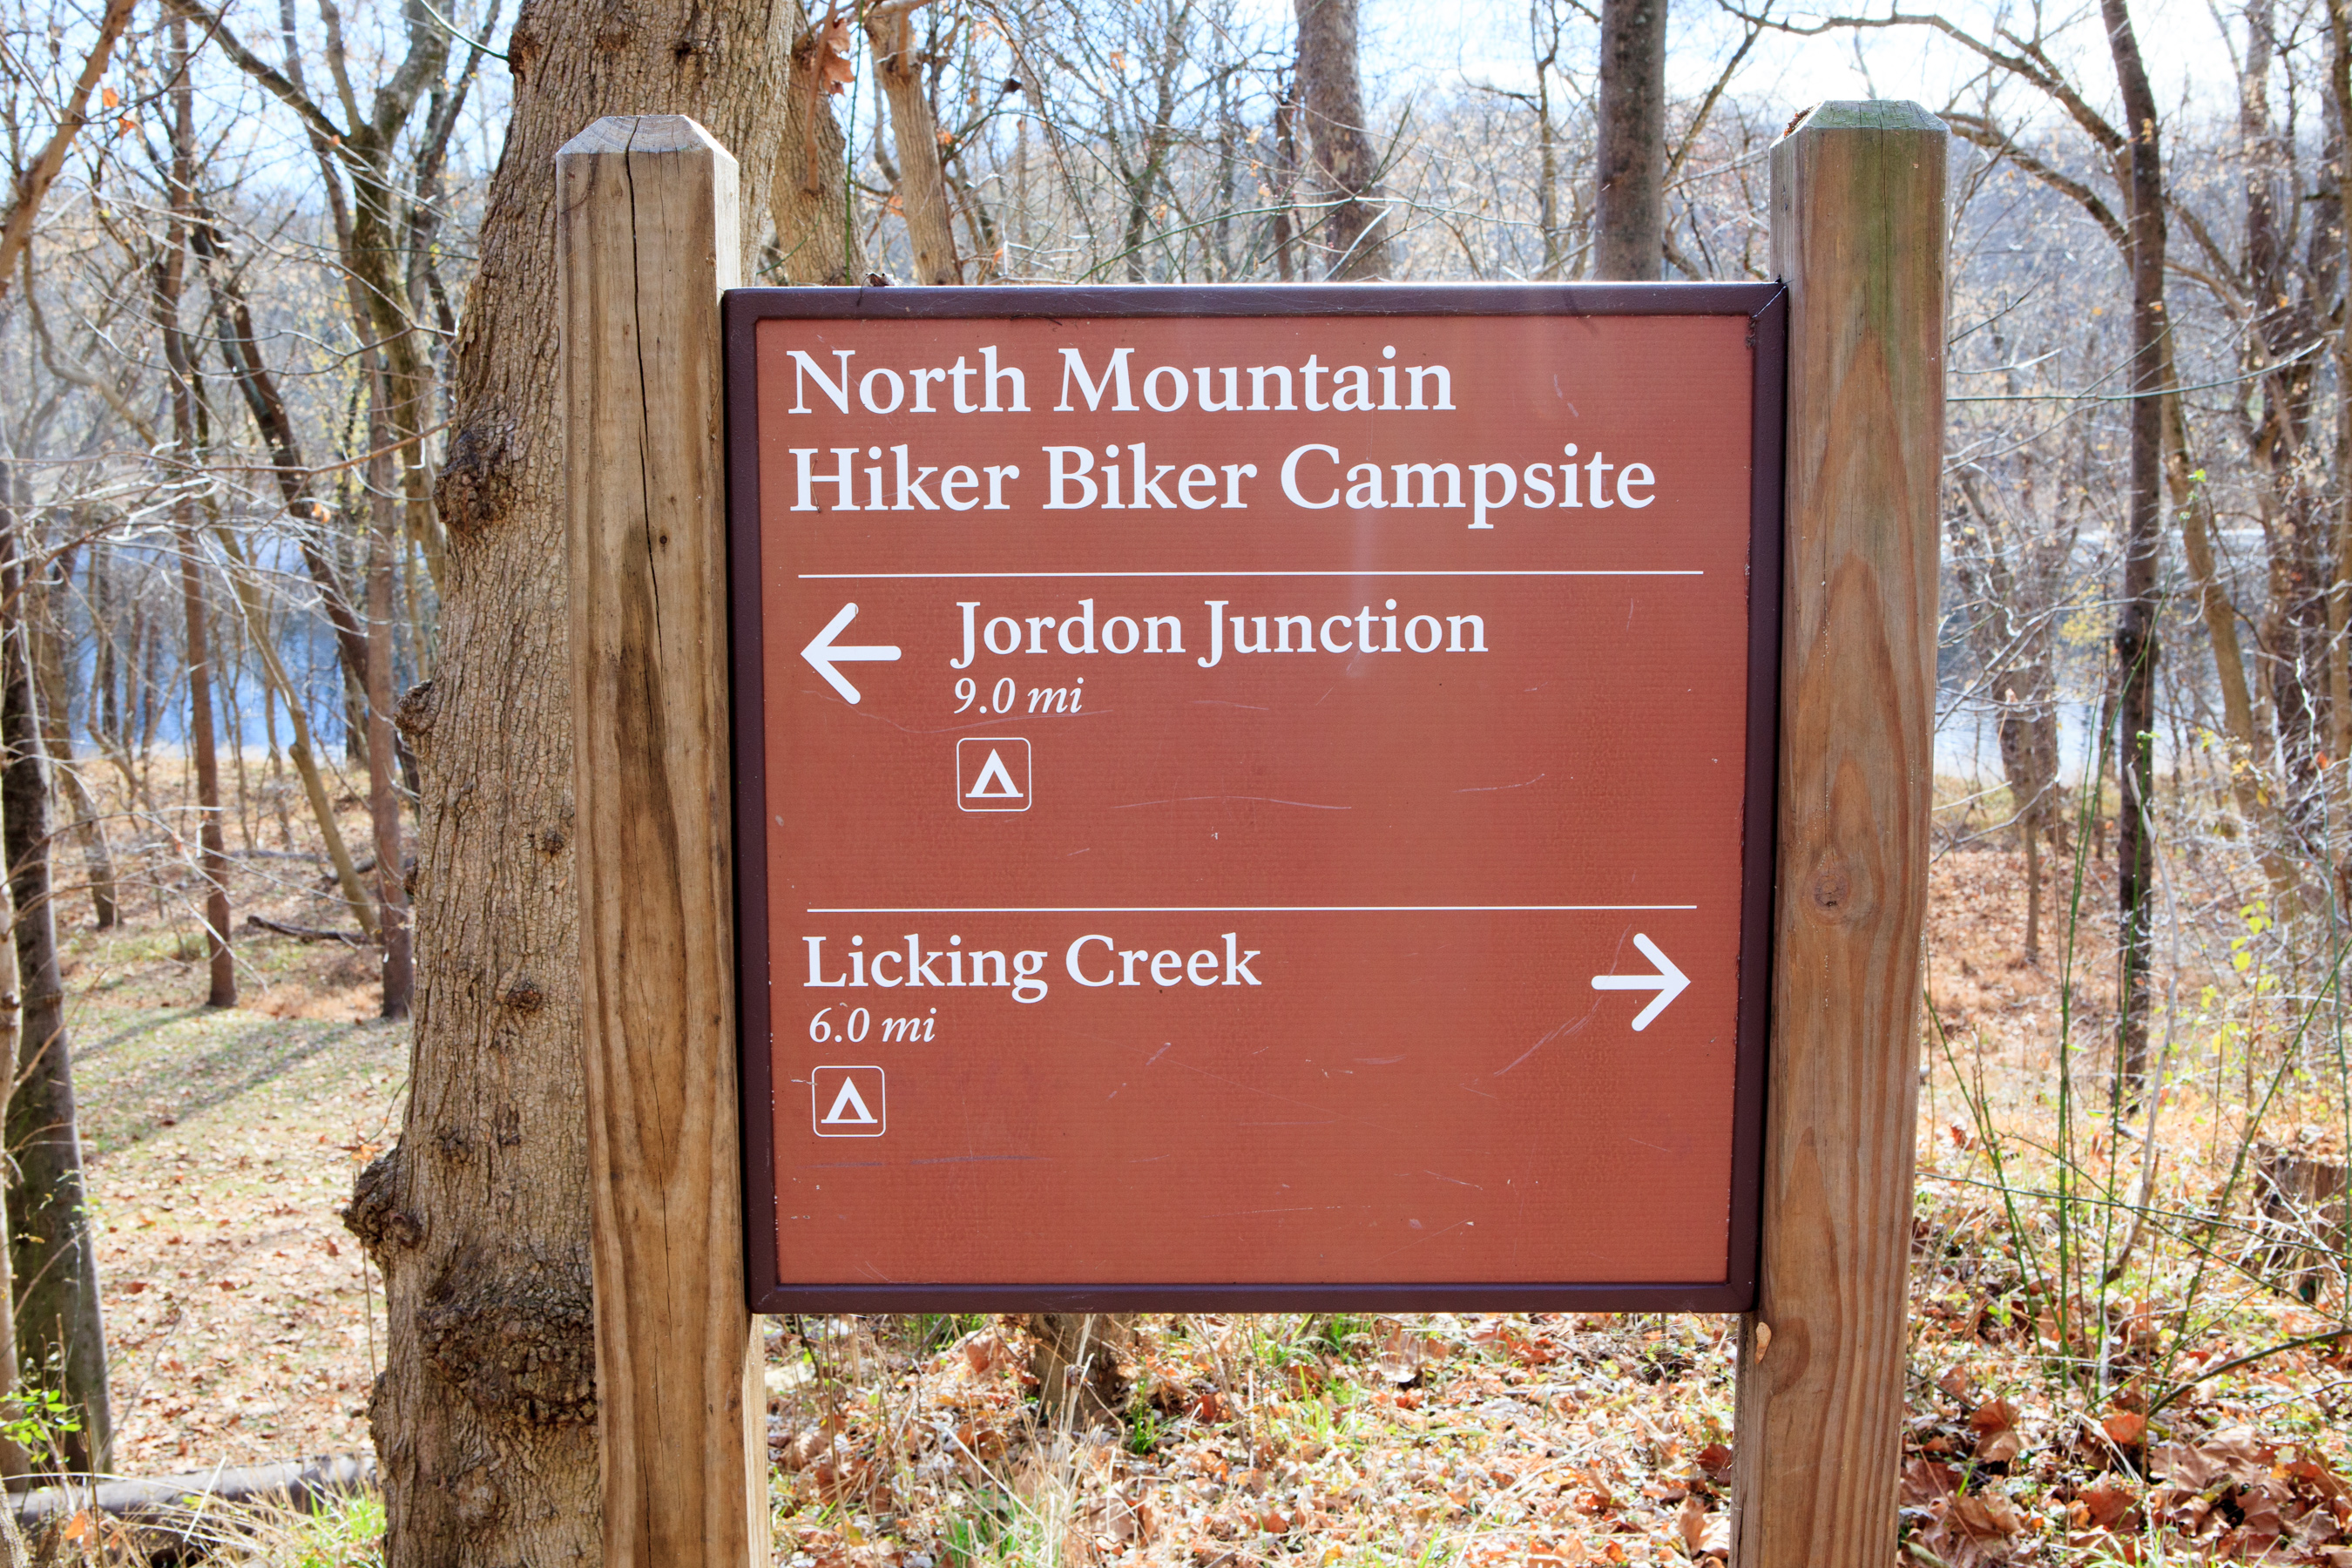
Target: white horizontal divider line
[
  {"x": 1255, "y": 910},
  {"x": 1369, "y": 572}
]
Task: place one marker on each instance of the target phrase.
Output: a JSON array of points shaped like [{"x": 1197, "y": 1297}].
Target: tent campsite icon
[{"x": 992, "y": 773}]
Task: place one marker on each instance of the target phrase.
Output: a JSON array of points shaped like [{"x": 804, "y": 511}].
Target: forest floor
[
  {"x": 242, "y": 1321},
  {"x": 244, "y": 1326}
]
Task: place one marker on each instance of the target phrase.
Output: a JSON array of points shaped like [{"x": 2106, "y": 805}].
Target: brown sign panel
[{"x": 1254, "y": 798}]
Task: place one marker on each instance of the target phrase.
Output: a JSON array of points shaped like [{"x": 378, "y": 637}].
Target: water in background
[{"x": 1968, "y": 740}]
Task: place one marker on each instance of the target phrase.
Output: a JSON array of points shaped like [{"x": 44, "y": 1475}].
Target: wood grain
[
  {"x": 646, "y": 222},
  {"x": 1858, "y": 238}
]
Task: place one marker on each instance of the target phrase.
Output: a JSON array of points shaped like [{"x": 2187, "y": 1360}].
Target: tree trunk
[
  {"x": 32, "y": 183},
  {"x": 170, "y": 275},
  {"x": 241, "y": 348},
  {"x": 1355, "y": 233},
  {"x": 1547, "y": 162},
  {"x": 56, "y": 729},
  {"x": 297, "y": 718},
  {"x": 1630, "y": 162},
  {"x": 383, "y": 792},
  {"x": 221, "y": 990},
  {"x": 2340, "y": 583},
  {"x": 2193, "y": 501},
  {"x": 479, "y": 1217},
  {"x": 809, "y": 198},
  {"x": 58, "y": 1330},
  {"x": 1074, "y": 1359},
  {"x": 2032, "y": 892},
  {"x": 14, "y": 1460},
  {"x": 2135, "y": 631},
  {"x": 1146, "y": 171},
  {"x": 923, "y": 182}
]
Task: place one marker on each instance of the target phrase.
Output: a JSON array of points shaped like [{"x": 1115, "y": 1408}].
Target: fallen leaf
[
  {"x": 1972, "y": 1531},
  {"x": 1995, "y": 1425},
  {"x": 2309, "y": 1467},
  {"x": 2125, "y": 1428},
  {"x": 2106, "y": 1501},
  {"x": 2232, "y": 1453},
  {"x": 1925, "y": 1482},
  {"x": 1704, "y": 1534}
]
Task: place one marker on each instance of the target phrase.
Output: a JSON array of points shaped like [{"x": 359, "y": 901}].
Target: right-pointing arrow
[{"x": 1668, "y": 982}]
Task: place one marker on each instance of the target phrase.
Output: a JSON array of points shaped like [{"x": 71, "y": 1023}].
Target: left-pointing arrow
[{"x": 822, "y": 655}]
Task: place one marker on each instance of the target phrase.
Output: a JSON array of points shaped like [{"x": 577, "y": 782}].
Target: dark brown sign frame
[{"x": 1764, "y": 305}]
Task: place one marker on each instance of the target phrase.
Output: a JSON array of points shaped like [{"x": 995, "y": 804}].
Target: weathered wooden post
[
  {"x": 1858, "y": 237},
  {"x": 648, "y": 239}
]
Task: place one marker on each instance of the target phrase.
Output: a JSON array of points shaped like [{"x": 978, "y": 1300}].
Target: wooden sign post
[
  {"x": 1505, "y": 666},
  {"x": 645, "y": 234},
  {"x": 1858, "y": 238}
]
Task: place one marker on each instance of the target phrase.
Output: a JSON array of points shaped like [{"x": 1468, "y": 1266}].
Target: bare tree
[
  {"x": 60, "y": 1334},
  {"x": 922, "y": 186},
  {"x": 1630, "y": 172},
  {"x": 2011, "y": 546},
  {"x": 816, "y": 241},
  {"x": 1354, "y": 231},
  {"x": 383, "y": 790},
  {"x": 169, "y": 273},
  {"x": 480, "y": 1216},
  {"x": 32, "y": 181},
  {"x": 363, "y": 145},
  {"x": 2136, "y": 615}
]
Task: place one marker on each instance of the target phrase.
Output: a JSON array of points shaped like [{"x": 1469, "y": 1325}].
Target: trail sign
[
  {"x": 1049, "y": 1187},
  {"x": 1279, "y": 781}
]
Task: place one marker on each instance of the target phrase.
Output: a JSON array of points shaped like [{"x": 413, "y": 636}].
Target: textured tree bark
[
  {"x": 479, "y": 1217},
  {"x": 809, "y": 198},
  {"x": 2136, "y": 630},
  {"x": 922, "y": 180},
  {"x": 1354, "y": 231},
  {"x": 1074, "y": 1359},
  {"x": 54, "y": 1259},
  {"x": 1858, "y": 235},
  {"x": 2339, "y": 578},
  {"x": 383, "y": 790},
  {"x": 1629, "y": 163},
  {"x": 14, "y": 1460}
]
